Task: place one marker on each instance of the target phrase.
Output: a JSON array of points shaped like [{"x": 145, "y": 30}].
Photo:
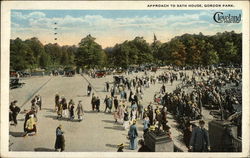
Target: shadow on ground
[
  {"x": 61, "y": 119},
  {"x": 82, "y": 95},
  {"x": 17, "y": 134},
  {"x": 44, "y": 149},
  {"x": 91, "y": 111},
  {"x": 116, "y": 146},
  {"x": 20, "y": 119},
  {"x": 112, "y": 145},
  {"x": 49, "y": 110},
  {"x": 108, "y": 121},
  {"x": 120, "y": 128}
]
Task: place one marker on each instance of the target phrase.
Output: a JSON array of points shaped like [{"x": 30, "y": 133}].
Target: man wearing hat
[
  {"x": 199, "y": 141},
  {"x": 14, "y": 110},
  {"x": 132, "y": 135}
]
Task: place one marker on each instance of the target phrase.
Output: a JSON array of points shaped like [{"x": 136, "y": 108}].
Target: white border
[{"x": 109, "y": 5}]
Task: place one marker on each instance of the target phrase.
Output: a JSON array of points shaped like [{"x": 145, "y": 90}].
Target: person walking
[
  {"x": 116, "y": 103},
  {"x": 89, "y": 89},
  {"x": 110, "y": 104},
  {"x": 97, "y": 104},
  {"x": 60, "y": 141},
  {"x": 106, "y": 102},
  {"x": 39, "y": 101},
  {"x": 119, "y": 114},
  {"x": 132, "y": 135},
  {"x": 57, "y": 102},
  {"x": 126, "y": 119},
  {"x": 59, "y": 111},
  {"x": 71, "y": 112},
  {"x": 107, "y": 86},
  {"x": 71, "y": 102},
  {"x": 199, "y": 141},
  {"x": 79, "y": 110},
  {"x": 64, "y": 107},
  {"x": 93, "y": 101},
  {"x": 14, "y": 111}
]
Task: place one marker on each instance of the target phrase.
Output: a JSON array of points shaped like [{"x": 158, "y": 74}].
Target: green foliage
[
  {"x": 135, "y": 52},
  {"x": 213, "y": 58},
  {"x": 182, "y": 50},
  {"x": 21, "y": 55},
  {"x": 89, "y": 53}
]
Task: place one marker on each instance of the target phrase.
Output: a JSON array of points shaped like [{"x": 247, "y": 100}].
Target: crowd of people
[
  {"x": 67, "y": 110},
  {"x": 205, "y": 88}
]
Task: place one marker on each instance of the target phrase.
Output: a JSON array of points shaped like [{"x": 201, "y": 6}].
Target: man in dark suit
[
  {"x": 199, "y": 141},
  {"x": 14, "y": 110}
]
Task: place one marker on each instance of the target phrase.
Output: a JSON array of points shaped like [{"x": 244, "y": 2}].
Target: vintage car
[
  {"x": 13, "y": 73},
  {"x": 100, "y": 74},
  {"x": 69, "y": 72},
  {"x": 15, "y": 83},
  {"x": 154, "y": 69}
]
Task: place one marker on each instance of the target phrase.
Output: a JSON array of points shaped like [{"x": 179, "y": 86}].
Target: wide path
[{"x": 97, "y": 132}]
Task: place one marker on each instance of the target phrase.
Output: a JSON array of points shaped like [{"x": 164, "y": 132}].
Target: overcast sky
[{"x": 114, "y": 26}]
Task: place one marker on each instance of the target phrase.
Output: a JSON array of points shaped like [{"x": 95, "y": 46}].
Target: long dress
[
  {"x": 133, "y": 115},
  {"x": 133, "y": 137},
  {"x": 79, "y": 111},
  {"x": 120, "y": 114},
  {"x": 30, "y": 125},
  {"x": 60, "y": 141},
  {"x": 126, "y": 120},
  {"x": 59, "y": 111}
]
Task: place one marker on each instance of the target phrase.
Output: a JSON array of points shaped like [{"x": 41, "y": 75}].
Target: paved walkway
[{"x": 97, "y": 131}]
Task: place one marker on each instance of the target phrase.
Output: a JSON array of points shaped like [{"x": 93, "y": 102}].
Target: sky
[{"x": 115, "y": 26}]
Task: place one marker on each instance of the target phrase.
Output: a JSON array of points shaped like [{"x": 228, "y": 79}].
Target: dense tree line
[{"x": 195, "y": 49}]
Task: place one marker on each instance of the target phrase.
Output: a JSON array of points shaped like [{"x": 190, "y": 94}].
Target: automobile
[
  {"x": 69, "y": 72},
  {"x": 100, "y": 74},
  {"x": 154, "y": 69},
  {"x": 119, "y": 71},
  {"x": 13, "y": 73},
  {"x": 15, "y": 83},
  {"x": 24, "y": 74}
]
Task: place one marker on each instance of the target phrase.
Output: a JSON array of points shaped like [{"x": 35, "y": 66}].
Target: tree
[
  {"x": 213, "y": 58},
  {"x": 121, "y": 55},
  {"x": 21, "y": 56},
  {"x": 229, "y": 52},
  {"x": 142, "y": 51},
  {"x": 44, "y": 60},
  {"x": 155, "y": 47},
  {"x": 54, "y": 51},
  {"x": 89, "y": 54},
  {"x": 65, "y": 57},
  {"x": 37, "y": 48}
]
